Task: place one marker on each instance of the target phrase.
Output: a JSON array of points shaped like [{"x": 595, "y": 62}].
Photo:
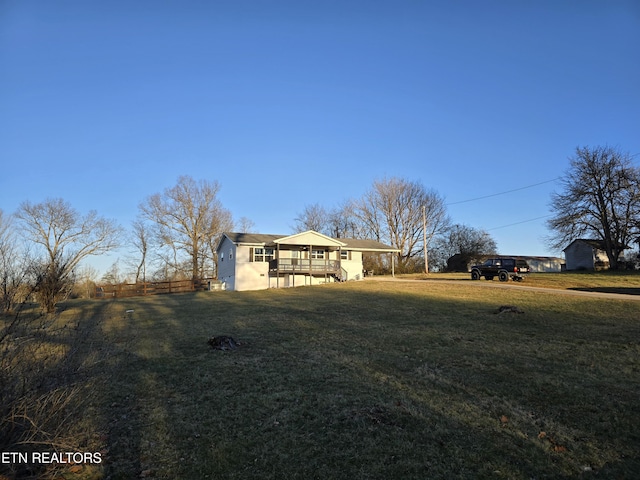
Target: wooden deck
[{"x": 305, "y": 266}]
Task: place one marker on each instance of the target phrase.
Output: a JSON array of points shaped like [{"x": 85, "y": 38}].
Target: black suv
[{"x": 503, "y": 268}]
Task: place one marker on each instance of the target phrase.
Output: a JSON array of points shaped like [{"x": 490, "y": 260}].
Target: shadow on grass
[
  {"x": 621, "y": 290},
  {"x": 361, "y": 381},
  {"x": 49, "y": 363}
]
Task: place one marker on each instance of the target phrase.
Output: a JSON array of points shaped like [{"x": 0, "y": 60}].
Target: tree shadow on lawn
[
  {"x": 345, "y": 383},
  {"x": 620, "y": 290},
  {"x": 53, "y": 363}
]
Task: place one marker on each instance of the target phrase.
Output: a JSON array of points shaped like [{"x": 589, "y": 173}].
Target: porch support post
[
  {"x": 393, "y": 262},
  {"x": 278, "y": 265}
]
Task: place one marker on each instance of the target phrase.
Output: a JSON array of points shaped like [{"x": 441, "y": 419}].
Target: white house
[
  {"x": 586, "y": 254},
  {"x": 252, "y": 261}
]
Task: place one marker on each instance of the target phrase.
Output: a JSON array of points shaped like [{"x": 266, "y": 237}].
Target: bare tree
[
  {"x": 66, "y": 238},
  {"x": 186, "y": 217},
  {"x": 313, "y": 217},
  {"x": 600, "y": 199},
  {"x": 343, "y": 221},
  {"x": 339, "y": 222},
  {"x": 86, "y": 281},
  {"x": 14, "y": 265},
  {"x": 392, "y": 212},
  {"x": 246, "y": 225},
  {"x": 469, "y": 243},
  {"x": 113, "y": 275},
  {"x": 140, "y": 242}
]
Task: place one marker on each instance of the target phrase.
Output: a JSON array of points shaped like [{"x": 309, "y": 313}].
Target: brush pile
[
  {"x": 223, "y": 342},
  {"x": 509, "y": 309}
]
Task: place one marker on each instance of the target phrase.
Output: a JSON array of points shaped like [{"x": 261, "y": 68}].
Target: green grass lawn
[{"x": 364, "y": 380}]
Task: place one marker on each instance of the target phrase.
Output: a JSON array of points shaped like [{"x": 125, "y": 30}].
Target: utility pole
[{"x": 424, "y": 240}]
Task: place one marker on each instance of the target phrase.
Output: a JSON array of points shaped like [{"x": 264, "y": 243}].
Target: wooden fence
[{"x": 150, "y": 288}]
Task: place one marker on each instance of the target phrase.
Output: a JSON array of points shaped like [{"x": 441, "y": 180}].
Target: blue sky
[{"x": 289, "y": 103}]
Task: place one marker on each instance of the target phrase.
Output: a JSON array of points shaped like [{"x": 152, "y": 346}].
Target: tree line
[
  {"x": 405, "y": 215},
  {"x": 176, "y": 232}
]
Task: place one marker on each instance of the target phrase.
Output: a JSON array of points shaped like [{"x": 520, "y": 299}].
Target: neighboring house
[
  {"x": 586, "y": 254},
  {"x": 545, "y": 264},
  {"x": 456, "y": 263},
  {"x": 252, "y": 261}
]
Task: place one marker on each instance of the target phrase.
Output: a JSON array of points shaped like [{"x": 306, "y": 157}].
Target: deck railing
[{"x": 302, "y": 265}]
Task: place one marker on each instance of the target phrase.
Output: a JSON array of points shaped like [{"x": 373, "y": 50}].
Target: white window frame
[{"x": 263, "y": 254}]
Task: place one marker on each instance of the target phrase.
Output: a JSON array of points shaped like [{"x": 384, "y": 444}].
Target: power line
[
  {"x": 518, "y": 223},
  {"x": 503, "y": 193}
]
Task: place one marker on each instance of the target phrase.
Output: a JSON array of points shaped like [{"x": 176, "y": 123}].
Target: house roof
[
  {"x": 364, "y": 245},
  {"x": 250, "y": 238},
  {"x": 597, "y": 244},
  {"x": 263, "y": 239},
  {"x": 593, "y": 243},
  {"x": 310, "y": 237}
]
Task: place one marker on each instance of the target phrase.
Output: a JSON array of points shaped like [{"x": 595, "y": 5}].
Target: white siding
[
  {"x": 353, "y": 266},
  {"x": 226, "y": 264},
  {"x": 250, "y": 275},
  {"x": 579, "y": 256},
  {"x": 545, "y": 265}
]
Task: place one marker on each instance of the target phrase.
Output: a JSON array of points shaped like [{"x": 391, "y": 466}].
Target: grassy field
[
  {"x": 624, "y": 282},
  {"x": 364, "y": 380}
]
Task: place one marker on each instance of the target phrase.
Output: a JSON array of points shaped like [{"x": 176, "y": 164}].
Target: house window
[
  {"x": 345, "y": 255},
  {"x": 230, "y": 254},
  {"x": 222, "y": 256},
  {"x": 317, "y": 254},
  {"x": 262, "y": 254}
]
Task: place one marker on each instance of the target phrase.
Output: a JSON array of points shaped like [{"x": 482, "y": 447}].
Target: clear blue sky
[{"x": 289, "y": 103}]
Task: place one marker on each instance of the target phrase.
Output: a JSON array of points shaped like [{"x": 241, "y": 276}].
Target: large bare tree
[
  {"x": 600, "y": 199},
  {"x": 187, "y": 217},
  {"x": 65, "y": 238},
  {"x": 392, "y": 211}
]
